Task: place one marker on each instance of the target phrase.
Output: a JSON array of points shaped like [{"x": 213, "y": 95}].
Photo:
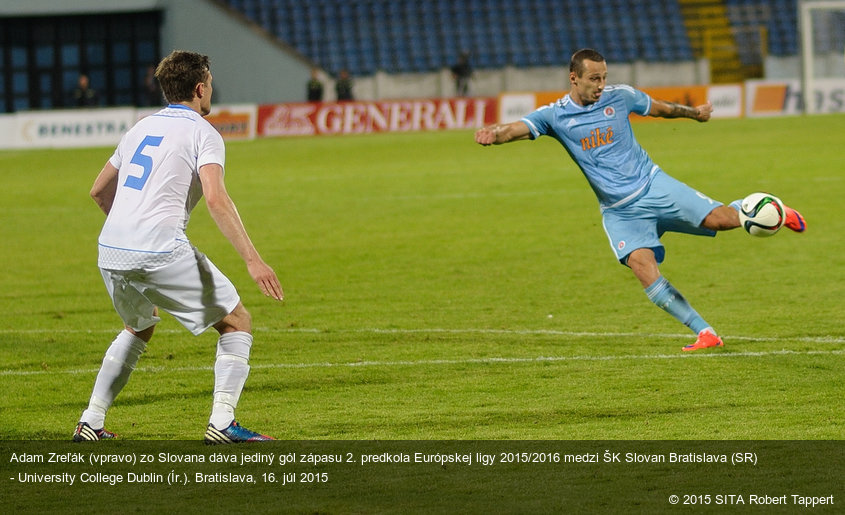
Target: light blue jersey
[
  {"x": 599, "y": 139},
  {"x": 639, "y": 202}
]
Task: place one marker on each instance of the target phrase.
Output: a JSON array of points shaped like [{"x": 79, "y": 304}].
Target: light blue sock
[
  {"x": 736, "y": 204},
  {"x": 670, "y": 300}
]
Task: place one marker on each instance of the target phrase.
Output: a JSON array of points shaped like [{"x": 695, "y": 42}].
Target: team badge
[
  {"x": 609, "y": 111},
  {"x": 621, "y": 245}
]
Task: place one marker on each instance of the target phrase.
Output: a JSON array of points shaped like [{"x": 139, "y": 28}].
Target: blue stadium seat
[{"x": 395, "y": 35}]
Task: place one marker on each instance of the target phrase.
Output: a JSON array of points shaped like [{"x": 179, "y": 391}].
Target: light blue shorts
[{"x": 667, "y": 205}]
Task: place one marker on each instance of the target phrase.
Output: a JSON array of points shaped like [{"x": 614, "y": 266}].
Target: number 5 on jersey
[{"x": 144, "y": 161}]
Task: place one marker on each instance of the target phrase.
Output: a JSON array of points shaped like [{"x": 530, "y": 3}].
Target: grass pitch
[{"x": 440, "y": 290}]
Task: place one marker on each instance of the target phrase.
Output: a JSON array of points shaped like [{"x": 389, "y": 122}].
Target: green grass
[{"x": 440, "y": 290}]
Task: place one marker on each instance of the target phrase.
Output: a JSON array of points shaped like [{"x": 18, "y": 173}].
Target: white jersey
[{"x": 158, "y": 186}]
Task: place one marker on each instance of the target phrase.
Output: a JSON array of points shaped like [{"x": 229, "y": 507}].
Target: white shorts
[{"x": 191, "y": 289}]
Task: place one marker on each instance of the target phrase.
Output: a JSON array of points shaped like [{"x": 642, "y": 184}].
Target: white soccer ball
[{"x": 761, "y": 214}]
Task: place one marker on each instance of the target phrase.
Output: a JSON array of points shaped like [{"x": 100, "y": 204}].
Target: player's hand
[
  {"x": 485, "y": 136},
  {"x": 704, "y": 112},
  {"x": 266, "y": 279}
]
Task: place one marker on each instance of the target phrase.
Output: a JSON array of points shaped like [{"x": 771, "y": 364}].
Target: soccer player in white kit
[{"x": 157, "y": 174}]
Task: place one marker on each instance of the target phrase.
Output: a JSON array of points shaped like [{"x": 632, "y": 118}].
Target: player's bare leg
[
  {"x": 722, "y": 218},
  {"x": 644, "y": 266}
]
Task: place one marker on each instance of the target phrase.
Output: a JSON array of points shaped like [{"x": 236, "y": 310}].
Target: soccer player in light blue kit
[{"x": 638, "y": 200}]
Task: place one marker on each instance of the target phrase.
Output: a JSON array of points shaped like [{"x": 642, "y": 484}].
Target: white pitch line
[
  {"x": 591, "y": 334},
  {"x": 436, "y": 330},
  {"x": 471, "y": 195},
  {"x": 466, "y": 361}
]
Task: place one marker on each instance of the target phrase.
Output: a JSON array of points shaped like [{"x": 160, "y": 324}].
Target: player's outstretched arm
[
  {"x": 664, "y": 109},
  {"x": 499, "y": 133},
  {"x": 225, "y": 215},
  {"x": 105, "y": 187}
]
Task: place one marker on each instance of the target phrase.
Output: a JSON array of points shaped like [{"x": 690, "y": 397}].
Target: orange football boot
[
  {"x": 706, "y": 339},
  {"x": 794, "y": 220}
]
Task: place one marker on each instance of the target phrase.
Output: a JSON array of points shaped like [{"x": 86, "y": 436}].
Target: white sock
[
  {"x": 118, "y": 363},
  {"x": 230, "y": 372}
]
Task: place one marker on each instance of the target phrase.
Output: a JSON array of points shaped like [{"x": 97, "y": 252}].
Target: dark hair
[
  {"x": 180, "y": 72},
  {"x": 576, "y": 64}
]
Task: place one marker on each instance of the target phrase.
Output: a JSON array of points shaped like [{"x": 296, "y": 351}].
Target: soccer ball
[{"x": 761, "y": 214}]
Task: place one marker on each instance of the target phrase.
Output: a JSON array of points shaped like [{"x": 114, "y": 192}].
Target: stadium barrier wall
[
  {"x": 105, "y": 126},
  {"x": 67, "y": 128},
  {"x": 727, "y": 100},
  {"x": 784, "y": 97},
  {"x": 486, "y": 82},
  {"x": 233, "y": 121}
]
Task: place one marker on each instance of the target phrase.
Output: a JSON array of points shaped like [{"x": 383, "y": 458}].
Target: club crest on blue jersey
[{"x": 609, "y": 111}]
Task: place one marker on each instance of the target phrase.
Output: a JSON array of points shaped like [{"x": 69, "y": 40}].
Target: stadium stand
[
  {"x": 42, "y": 56},
  {"x": 399, "y": 36},
  {"x": 778, "y": 18}
]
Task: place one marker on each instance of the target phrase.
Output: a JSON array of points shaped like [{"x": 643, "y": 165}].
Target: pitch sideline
[
  {"x": 440, "y": 330},
  {"x": 432, "y": 362}
]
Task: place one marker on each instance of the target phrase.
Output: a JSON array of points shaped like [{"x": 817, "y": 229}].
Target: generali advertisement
[{"x": 334, "y": 118}]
